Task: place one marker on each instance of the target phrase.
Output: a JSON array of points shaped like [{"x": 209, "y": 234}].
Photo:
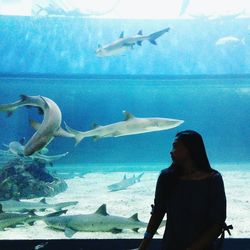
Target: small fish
[
  {"x": 230, "y": 40},
  {"x": 40, "y": 246}
]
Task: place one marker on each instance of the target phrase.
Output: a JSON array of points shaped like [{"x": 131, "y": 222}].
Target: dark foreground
[{"x": 229, "y": 244}]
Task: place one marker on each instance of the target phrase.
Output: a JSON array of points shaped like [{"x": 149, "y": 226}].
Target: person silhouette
[{"x": 192, "y": 195}]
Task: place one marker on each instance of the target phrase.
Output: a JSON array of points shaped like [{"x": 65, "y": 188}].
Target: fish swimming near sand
[
  {"x": 230, "y": 40},
  {"x": 13, "y": 219},
  {"x": 125, "y": 183},
  {"x": 127, "y": 43},
  {"x": 42, "y": 205},
  {"x": 100, "y": 221},
  {"x": 130, "y": 126},
  {"x": 50, "y": 126}
]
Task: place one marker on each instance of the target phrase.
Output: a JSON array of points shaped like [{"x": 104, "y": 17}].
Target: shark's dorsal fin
[
  {"x": 136, "y": 230},
  {"x": 102, "y": 210},
  {"x": 24, "y": 97},
  {"x": 43, "y": 200},
  {"x": 139, "y": 32},
  {"x": 34, "y": 124},
  {"x": 122, "y": 34},
  {"x": 95, "y": 125},
  {"x": 124, "y": 177},
  {"x": 46, "y": 104},
  {"x": 128, "y": 115},
  {"x": 62, "y": 133},
  {"x": 134, "y": 217}
]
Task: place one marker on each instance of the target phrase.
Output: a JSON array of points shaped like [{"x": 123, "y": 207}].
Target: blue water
[
  {"x": 218, "y": 108},
  {"x": 57, "y": 45},
  {"x": 186, "y": 76}
]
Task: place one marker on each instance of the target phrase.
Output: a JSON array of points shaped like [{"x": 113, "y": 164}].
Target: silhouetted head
[{"x": 189, "y": 145}]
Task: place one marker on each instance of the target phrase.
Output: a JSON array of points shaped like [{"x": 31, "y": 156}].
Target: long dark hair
[{"x": 193, "y": 141}]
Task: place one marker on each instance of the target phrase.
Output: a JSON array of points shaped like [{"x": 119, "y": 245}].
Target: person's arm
[
  {"x": 157, "y": 214},
  {"x": 153, "y": 224},
  {"x": 206, "y": 238},
  {"x": 217, "y": 215}
]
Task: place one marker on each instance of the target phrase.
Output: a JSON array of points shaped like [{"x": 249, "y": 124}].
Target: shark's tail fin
[
  {"x": 78, "y": 135},
  {"x": 154, "y": 36},
  {"x": 139, "y": 177}
]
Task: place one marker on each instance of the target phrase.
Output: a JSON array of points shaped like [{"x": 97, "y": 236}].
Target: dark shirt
[{"x": 192, "y": 207}]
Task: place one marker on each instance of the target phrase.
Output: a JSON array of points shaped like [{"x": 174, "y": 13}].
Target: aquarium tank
[{"x": 92, "y": 94}]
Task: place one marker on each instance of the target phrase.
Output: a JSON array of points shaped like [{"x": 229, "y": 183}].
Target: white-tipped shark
[
  {"x": 125, "y": 183},
  {"x": 50, "y": 126},
  {"x": 100, "y": 221},
  {"x": 130, "y": 126},
  {"x": 125, "y": 43}
]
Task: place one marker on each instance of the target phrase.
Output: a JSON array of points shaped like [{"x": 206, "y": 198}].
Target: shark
[
  {"x": 13, "y": 219},
  {"x": 125, "y": 182},
  {"x": 123, "y": 44},
  {"x": 51, "y": 124},
  {"x": 24, "y": 206},
  {"x": 130, "y": 126},
  {"x": 17, "y": 149},
  {"x": 100, "y": 221}
]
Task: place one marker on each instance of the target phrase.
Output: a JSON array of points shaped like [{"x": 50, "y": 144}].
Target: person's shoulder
[
  {"x": 167, "y": 171},
  {"x": 216, "y": 176}
]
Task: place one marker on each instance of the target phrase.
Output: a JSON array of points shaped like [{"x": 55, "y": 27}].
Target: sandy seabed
[{"x": 90, "y": 190}]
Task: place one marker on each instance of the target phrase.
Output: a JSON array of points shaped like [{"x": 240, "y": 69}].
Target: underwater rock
[{"x": 19, "y": 180}]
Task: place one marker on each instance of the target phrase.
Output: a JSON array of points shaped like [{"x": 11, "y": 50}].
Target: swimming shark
[
  {"x": 13, "y": 219},
  {"x": 125, "y": 43},
  {"x": 130, "y": 126},
  {"x": 50, "y": 126},
  {"x": 100, "y": 221},
  {"x": 125, "y": 182},
  {"x": 17, "y": 149},
  {"x": 24, "y": 206}
]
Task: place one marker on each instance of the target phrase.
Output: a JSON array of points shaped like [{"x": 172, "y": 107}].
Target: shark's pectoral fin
[
  {"x": 96, "y": 138},
  {"x": 116, "y": 230},
  {"x": 153, "y": 42},
  {"x": 34, "y": 124},
  {"x": 69, "y": 232},
  {"x": 9, "y": 113}
]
